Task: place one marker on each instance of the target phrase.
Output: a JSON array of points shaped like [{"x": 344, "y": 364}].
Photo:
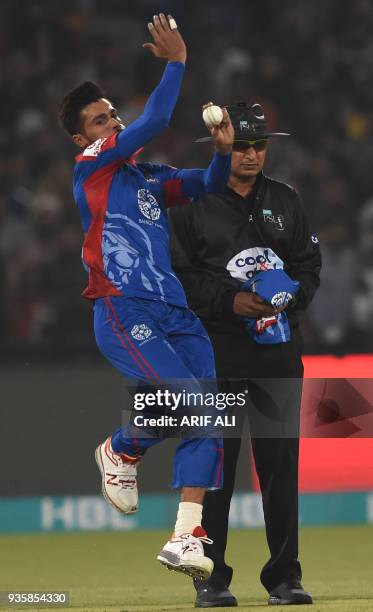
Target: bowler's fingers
[
  {"x": 157, "y": 24},
  {"x": 164, "y": 22},
  {"x": 161, "y": 27},
  {"x": 171, "y": 22},
  {"x": 151, "y": 47},
  {"x": 160, "y": 23},
  {"x": 154, "y": 33}
]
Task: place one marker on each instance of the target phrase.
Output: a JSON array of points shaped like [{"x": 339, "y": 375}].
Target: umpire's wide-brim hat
[{"x": 249, "y": 123}]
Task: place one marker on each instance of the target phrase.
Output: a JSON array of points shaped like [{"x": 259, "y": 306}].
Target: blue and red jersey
[{"x": 123, "y": 204}]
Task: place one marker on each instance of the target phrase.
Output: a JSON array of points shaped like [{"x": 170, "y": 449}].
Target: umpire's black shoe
[
  {"x": 289, "y": 594},
  {"x": 213, "y": 596}
]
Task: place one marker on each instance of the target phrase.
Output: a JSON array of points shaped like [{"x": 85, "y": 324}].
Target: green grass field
[{"x": 118, "y": 571}]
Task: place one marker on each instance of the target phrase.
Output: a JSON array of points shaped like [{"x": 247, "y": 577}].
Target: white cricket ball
[{"x": 212, "y": 116}]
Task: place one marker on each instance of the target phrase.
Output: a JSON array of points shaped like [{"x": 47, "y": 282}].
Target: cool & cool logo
[{"x": 246, "y": 263}]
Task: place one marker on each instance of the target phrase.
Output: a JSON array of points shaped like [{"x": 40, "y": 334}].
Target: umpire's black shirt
[{"x": 220, "y": 241}]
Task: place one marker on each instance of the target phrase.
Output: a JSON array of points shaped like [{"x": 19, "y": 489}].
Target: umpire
[{"x": 218, "y": 244}]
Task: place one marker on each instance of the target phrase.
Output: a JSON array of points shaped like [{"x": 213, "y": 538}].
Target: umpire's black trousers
[{"x": 276, "y": 457}]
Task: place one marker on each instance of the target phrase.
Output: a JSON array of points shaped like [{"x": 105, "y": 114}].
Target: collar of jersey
[{"x": 131, "y": 160}]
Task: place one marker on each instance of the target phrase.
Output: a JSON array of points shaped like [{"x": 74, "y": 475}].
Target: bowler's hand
[
  {"x": 168, "y": 44},
  {"x": 223, "y": 135},
  {"x": 251, "y": 305}
]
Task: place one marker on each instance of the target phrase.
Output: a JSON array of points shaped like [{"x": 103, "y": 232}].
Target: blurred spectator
[{"x": 363, "y": 297}]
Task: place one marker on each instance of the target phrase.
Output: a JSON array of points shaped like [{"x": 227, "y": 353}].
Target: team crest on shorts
[
  {"x": 148, "y": 205},
  {"x": 141, "y": 332}
]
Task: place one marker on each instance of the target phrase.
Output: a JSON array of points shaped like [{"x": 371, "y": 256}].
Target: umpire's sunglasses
[{"x": 257, "y": 145}]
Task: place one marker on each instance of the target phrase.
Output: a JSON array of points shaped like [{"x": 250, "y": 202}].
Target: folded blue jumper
[{"x": 277, "y": 289}]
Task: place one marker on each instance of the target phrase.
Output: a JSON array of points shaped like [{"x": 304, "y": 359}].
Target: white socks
[{"x": 189, "y": 516}]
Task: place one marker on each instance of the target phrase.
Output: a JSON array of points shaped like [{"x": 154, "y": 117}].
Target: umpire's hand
[
  {"x": 251, "y": 305},
  {"x": 223, "y": 134}
]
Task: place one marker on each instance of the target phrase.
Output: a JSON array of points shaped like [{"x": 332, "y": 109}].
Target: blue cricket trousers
[{"x": 152, "y": 342}]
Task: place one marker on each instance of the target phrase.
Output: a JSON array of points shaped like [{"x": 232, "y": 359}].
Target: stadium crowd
[{"x": 310, "y": 65}]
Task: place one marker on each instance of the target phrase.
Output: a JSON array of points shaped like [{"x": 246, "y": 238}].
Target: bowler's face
[
  {"x": 99, "y": 120},
  {"x": 247, "y": 160}
]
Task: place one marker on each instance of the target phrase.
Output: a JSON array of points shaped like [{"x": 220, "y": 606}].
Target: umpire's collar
[{"x": 257, "y": 192}]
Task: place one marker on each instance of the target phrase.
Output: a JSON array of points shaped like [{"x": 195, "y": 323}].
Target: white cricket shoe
[
  {"x": 119, "y": 483},
  {"x": 185, "y": 554}
]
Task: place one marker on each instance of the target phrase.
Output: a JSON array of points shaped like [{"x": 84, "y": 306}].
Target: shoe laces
[
  {"x": 194, "y": 543},
  {"x": 129, "y": 470},
  {"x": 205, "y": 539},
  {"x": 128, "y": 484},
  {"x": 127, "y": 473}
]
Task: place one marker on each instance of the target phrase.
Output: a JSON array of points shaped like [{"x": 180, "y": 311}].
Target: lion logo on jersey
[
  {"x": 141, "y": 332},
  {"x": 148, "y": 205},
  {"x": 122, "y": 260}
]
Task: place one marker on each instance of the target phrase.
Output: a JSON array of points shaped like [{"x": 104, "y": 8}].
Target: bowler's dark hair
[{"x": 73, "y": 104}]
